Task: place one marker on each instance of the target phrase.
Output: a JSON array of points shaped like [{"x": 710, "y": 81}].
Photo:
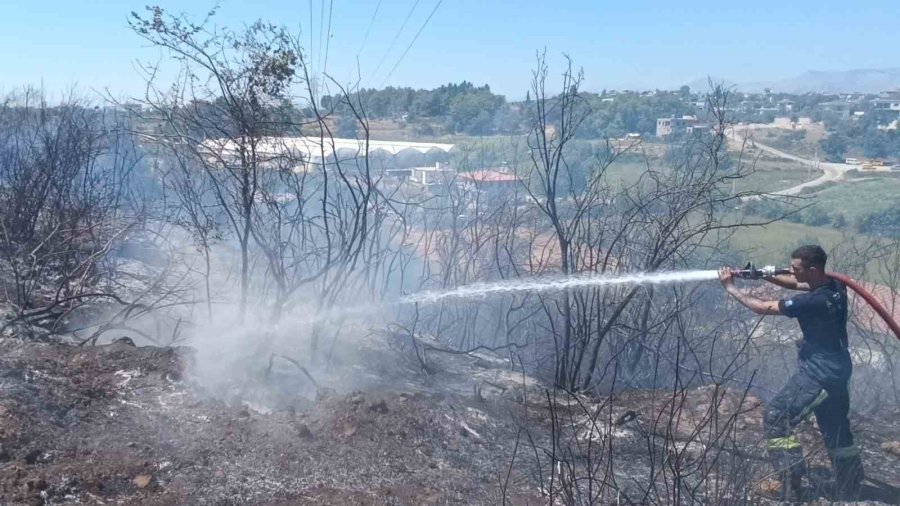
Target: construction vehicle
[{"x": 873, "y": 164}]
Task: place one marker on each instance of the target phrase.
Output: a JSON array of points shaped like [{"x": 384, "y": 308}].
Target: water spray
[
  {"x": 481, "y": 290},
  {"x": 750, "y": 272},
  {"x": 556, "y": 284}
]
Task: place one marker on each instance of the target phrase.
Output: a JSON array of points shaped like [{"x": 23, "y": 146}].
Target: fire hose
[
  {"x": 869, "y": 298},
  {"x": 752, "y": 272}
]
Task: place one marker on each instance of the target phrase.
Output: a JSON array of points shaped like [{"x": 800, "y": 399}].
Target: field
[
  {"x": 859, "y": 198},
  {"x": 625, "y": 172},
  {"x": 768, "y": 175},
  {"x": 774, "y": 175},
  {"x": 803, "y": 143},
  {"x": 772, "y": 243}
]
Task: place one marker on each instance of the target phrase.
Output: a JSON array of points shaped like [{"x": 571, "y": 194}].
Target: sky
[{"x": 634, "y": 44}]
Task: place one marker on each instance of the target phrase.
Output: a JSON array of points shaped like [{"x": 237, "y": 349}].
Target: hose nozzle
[{"x": 753, "y": 272}]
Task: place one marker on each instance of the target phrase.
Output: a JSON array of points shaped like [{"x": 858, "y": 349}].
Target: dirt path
[{"x": 741, "y": 134}]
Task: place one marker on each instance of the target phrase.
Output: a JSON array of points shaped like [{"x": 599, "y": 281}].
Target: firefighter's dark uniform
[{"x": 819, "y": 386}]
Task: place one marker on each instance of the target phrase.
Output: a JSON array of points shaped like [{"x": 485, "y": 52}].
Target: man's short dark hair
[{"x": 811, "y": 255}]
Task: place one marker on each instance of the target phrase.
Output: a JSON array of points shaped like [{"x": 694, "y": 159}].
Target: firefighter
[{"x": 820, "y": 385}]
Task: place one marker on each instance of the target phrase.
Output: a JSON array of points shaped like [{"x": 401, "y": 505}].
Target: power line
[
  {"x": 438, "y": 4},
  {"x": 321, "y": 22},
  {"x": 396, "y": 36},
  {"x": 328, "y": 36},
  {"x": 369, "y": 29},
  {"x": 310, "y": 64}
]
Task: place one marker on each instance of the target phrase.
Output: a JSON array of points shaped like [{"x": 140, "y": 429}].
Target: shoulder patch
[{"x": 788, "y": 303}]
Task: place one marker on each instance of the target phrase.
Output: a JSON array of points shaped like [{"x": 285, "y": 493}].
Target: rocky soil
[{"x": 120, "y": 424}]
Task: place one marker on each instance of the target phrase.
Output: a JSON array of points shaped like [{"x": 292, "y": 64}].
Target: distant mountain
[{"x": 845, "y": 81}]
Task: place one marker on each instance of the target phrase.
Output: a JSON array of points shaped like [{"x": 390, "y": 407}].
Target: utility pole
[{"x": 817, "y": 162}]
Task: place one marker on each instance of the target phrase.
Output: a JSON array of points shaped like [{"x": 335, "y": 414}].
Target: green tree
[
  {"x": 473, "y": 112},
  {"x": 346, "y": 126},
  {"x": 834, "y": 146},
  {"x": 875, "y": 145},
  {"x": 884, "y": 223},
  {"x": 839, "y": 221}
]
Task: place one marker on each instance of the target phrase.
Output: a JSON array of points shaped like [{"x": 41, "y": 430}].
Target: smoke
[
  {"x": 259, "y": 357},
  {"x": 267, "y": 361}
]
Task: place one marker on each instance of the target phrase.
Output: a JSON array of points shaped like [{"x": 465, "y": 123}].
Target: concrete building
[
  {"x": 430, "y": 176},
  {"x": 625, "y": 143},
  {"x": 698, "y": 129},
  {"x": 786, "y": 105},
  {"x": 839, "y": 107},
  {"x": 669, "y": 126},
  {"x": 488, "y": 184},
  {"x": 887, "y": 101}
]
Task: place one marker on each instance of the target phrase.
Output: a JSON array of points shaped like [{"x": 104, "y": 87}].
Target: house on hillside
[
  {"x": 440, "y": 174},
  {"x": 887, "y": 101},
  {"x": 747, "y": 106},
  {"x": 673, "y": 126},
  {"x": 622, "y": 144},
  {"x": 699, "y": 130},
  {"x": 487, "y": 185},
  {"x": 839, "y": 107}
]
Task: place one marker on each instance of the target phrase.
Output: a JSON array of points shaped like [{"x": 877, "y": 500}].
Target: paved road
[{"x": 831, "y": 171}]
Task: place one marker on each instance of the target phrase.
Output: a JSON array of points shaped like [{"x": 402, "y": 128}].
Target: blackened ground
[{"x": 118, "y": 424}]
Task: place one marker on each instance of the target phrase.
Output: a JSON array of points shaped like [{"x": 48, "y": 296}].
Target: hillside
[
  {"x": 818, "y": 81},
  {"x": 119, "y": 424}
]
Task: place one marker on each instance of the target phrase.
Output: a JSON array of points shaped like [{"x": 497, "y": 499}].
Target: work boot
[
  {"x": 791, "y": 486},
  {"x": 848, "y": 477},
  {"x": 787, "y": 487},
  {"x": 790, "y": 467}
]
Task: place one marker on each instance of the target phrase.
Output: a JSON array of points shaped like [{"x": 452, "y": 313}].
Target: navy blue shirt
[{"x": 822, "y": 314}]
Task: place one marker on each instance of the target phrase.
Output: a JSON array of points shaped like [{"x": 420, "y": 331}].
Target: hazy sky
[{"x": 633, "y": 43}]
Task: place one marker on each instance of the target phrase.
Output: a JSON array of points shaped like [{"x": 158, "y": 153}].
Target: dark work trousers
[{"x": 803, "y": 395}]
